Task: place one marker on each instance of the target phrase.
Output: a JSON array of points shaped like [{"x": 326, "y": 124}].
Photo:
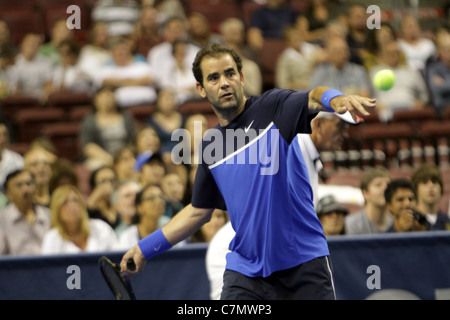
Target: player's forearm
[
  {"x": 185, "y": 223},
  {"x": 315, "y": 97}
]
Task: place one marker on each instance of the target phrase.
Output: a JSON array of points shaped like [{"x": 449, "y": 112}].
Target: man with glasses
[{"x": 22, "y": 222}]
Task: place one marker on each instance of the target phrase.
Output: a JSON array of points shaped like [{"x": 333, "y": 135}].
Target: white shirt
[
  {"x": 129, "y": 95},
  {"x": 417, "y": 54},
  {"x": 101, "y": 238},
  {"x": 9, "y": 162}
]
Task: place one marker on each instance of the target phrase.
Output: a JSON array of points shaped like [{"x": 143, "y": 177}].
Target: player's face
[{"x": 223, "y": 85}]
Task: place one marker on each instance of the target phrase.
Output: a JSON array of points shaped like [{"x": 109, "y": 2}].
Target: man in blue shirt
[{"x": 250, "y": 168}]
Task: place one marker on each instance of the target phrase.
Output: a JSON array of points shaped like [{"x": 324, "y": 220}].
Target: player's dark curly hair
[{"x": 214, "y": 50}]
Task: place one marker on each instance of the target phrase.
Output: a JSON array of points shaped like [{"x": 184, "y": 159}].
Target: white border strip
[{"x": 242, "y": 148}]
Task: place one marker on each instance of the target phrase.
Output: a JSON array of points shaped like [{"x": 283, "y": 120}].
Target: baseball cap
[{"x": 329, "y": 204}]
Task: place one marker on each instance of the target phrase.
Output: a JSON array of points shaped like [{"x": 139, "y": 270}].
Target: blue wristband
[
  {"x": 327, "y": 96},
  {"x": 154, "y": 244}
]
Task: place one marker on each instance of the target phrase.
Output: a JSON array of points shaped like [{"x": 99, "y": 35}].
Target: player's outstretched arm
[
  {"x": 180, "y": 227},
  {"x": 327, "y": 99}
]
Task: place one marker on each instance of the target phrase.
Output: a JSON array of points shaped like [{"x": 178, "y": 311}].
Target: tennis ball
[{"x": 384, "y": 79}]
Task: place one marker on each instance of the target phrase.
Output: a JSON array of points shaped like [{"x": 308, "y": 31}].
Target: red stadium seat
[
  {"x": 270, "y": 52},
  {"x": 65, "y": 138},
  {"x": 30, "y": 122},
  {"x": 216, "y": 12}
]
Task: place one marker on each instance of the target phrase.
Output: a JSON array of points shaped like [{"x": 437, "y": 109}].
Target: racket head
[{"x": 118, "y": 282}]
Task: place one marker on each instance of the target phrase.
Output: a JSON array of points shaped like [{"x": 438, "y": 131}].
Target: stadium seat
[
  {"x": 68, "y": 100},
  {"x": 65, "y": 137},
  {"x": 22, "y": 21},
  {"x": 196, "y": 106},
  {"x": 12, "y": 104},
  {"x": 216, "y": 12},
  {"x": 30, "y": 122},
  {"x": 437, "y": 135},
  {"x": 141, "y": 112},
  {"x": 392, "y": 142},
  {"x": 413, "y": 115},
  {"x": 272, "y": 48}
]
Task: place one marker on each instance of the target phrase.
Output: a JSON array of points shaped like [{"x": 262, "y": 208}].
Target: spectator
[
  {"x": 123, "y": 164},
  {"x": 63, "y": 173},
  {"x": 166, "y": 119},
  {"x": 173, "y": 190},
  {"x": 401, "y": 201},
  {"x": 296, "y": 63},
  {"x": 22, "y": 222},
  {"x": 99, "y": 206},
  {"x": 160, "y": 57},
  {"x": 119, "y": 15},
  {"x": 438, "y": 74},
  {"x": 132, "y": 80},
  {"x": 313, "y": 23},
  {"x": 123, "y": 200},
  {"x": 150, "y": 207},
  {"x": 68, "y": 76},
  {"x": 327, "y": 134},
  {"x": 332, "y": 216},
  {"x": 5, "y": 35},
  {"x": 59, "y": 33},
  {"x": 147, "y": 30},
  {"x": 428, "y": 182},
  {"x": 374, "y": 217},
  {"x": 147, "y": 140},
  {"x": 376, "y": 40},
  {"x": 9, "y": 160},
  {"x": 177, "y": 74},
  {"x": 409, "y": 90},
  {"x": 95, "y": 53},
  {"x": 199, "y": 31},
  {"x": 269, "y": 21},
  {"x": 232, "y": 31},
  {"x": 416, "y": 48},
  {"x": 7, "y": 57},
  {"x": 105, "y": 131},
  {"x": 31, "y": 74},
  {"x": 72, "y": 230},
  {"x": 357, "y": 29},
  {"x": 39, "y": 163},
  {"x": 339, "y": 72},
  {"x": 151, "y": 168},
  {"x": 218, "y": 219}
]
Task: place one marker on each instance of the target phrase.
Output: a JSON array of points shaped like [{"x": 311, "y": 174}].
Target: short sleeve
[{"x": 206, "y": 193}]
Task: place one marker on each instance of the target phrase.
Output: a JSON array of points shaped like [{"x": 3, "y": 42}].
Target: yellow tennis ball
[{"x": 384, "y": 79}]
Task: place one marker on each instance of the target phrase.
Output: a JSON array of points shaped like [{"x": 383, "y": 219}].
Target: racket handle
[{"x": 131, "y": 265}]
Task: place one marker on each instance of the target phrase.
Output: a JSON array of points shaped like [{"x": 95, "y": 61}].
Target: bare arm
[
  {"x": 182, "y": 225},
  {"x": 357, "y": 106}
]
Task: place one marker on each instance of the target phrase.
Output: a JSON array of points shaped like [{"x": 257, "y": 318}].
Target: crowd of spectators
[{"x": 141, "y": 52}]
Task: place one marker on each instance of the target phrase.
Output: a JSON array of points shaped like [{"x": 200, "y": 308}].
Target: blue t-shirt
[{"x": 251, "y": 169}]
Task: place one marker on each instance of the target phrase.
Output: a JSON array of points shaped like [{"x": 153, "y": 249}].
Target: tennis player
[{"x": 279, "y": 250}]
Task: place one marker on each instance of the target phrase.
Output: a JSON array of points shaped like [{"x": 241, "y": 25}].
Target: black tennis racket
[{"x": 117, "y": 281}]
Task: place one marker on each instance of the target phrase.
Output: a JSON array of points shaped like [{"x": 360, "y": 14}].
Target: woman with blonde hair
[{"x": 72, "y": 230}]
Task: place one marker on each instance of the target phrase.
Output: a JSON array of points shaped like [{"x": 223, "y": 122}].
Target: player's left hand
[{"x": 358, "y": 106}]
